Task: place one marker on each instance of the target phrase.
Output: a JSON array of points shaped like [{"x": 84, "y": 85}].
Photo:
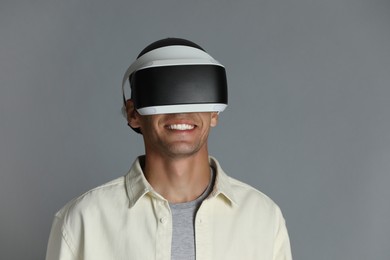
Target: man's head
[{"x": 175, "y": 76}]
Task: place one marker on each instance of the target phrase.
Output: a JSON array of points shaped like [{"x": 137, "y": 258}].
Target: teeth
[{"x": 181, "y": 127}]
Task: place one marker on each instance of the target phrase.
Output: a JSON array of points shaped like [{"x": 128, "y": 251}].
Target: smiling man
[{"x": 176, "y": 202}]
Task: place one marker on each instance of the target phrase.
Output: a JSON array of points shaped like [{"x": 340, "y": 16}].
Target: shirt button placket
[
  {"x": 203, "y": 233},
  {"x": 164, "y": 232}
]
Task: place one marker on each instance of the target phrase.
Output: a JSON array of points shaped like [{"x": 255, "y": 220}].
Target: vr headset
[{"x": 176, "y": 76}]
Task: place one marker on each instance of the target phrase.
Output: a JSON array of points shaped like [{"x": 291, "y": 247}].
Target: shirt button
[{"x": 163, "y": 220}]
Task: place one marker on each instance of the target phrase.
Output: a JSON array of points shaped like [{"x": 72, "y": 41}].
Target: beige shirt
[{"x": 127, "y": 219}]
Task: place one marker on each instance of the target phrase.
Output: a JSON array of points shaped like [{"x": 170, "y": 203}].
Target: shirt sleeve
[
  {"x": 282, "y": 247},
  {"x": 59, "y": 247}
]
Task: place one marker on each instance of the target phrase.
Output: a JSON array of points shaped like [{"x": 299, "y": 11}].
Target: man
[{"x": 176, "y": 202}]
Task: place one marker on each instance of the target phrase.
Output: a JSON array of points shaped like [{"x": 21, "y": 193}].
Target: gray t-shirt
[{"x": 183, "y": 225}]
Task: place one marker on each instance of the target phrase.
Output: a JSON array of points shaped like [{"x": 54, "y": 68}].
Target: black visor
[{"x": 196, "y": 85}]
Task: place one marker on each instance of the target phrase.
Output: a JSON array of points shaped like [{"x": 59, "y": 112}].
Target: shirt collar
[
  {"x": 137, "y": 186},
  {"x": 222, "y": 186}
]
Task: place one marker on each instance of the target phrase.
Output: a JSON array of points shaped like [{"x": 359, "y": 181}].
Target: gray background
[{"x": 308, "y": 121}]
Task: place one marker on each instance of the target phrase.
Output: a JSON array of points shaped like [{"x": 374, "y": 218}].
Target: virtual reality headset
[{"x": 176, "y": 76}]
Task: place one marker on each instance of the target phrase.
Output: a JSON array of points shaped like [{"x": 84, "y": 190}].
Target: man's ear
[
  {"x": 132, "y": 114},
  {"x": 214, "y": 119}
]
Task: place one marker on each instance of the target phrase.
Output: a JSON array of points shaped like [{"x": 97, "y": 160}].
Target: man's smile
[{"x": 181, "y": 127}]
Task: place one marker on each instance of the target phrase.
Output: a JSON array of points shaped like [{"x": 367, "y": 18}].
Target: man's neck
[{"x": 178, "y": 179}]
